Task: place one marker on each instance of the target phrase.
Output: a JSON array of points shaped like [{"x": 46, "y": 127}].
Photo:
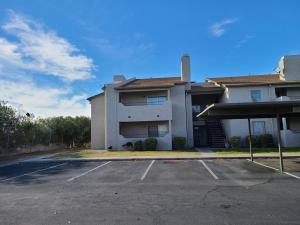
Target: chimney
[
  {"x": 185, "y": 68},
  {"x": 118, "y": 78}
]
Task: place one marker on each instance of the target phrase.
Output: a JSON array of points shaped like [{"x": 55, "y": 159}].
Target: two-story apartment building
[{"x": 135, "y": 109}]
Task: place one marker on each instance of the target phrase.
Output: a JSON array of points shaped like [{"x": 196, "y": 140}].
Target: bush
[
  {"x": 150, "y": 144},
  {"x": 138, "y": 146},
  {"x": 179, "y": 143},
  {"x": 266, "y": 140},
  {"x": 255, "y": 141},
  {"x": 128, "y": 145},
  {"x": 235, "y": 141}
]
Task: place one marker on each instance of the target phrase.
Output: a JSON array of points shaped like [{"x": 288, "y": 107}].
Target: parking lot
[{"x": 217, "y": 191}]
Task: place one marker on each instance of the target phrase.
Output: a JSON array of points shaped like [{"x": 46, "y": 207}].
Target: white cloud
[
  {"x": 33, "y": 49},
  {"x": 43, "y": 101},
  {"x": 244, "y": 41},
  {"x": 41, "y": 50},
  {"x": 219, "y": 28}
]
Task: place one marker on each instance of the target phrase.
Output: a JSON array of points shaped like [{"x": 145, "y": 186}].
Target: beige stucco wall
[
  {"x": 111, "y": 123},
  {"x": 290, "y": 67},
  {"x": 179, "y": 118},
  {"x": 98, "y": 122},
  {"x": 144, "y": 112},
  {"x": 239, "y": 127}
]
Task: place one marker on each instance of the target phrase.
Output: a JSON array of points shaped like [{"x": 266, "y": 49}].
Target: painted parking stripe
[
  {"x": 292, "y": 175},
  {"x": 270, "y": 167},
  {"x": 209, "y": 170},
  {"x": 85, "y": 173},
  {"x": 36, "y": 171},
  {"x": 147, "y": 170}
]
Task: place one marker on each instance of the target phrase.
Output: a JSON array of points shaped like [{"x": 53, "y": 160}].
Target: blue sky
[{"x": 54, "y": 54}]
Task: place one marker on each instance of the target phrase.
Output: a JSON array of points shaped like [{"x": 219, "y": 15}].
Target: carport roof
[{"x": 252, "y": 110}]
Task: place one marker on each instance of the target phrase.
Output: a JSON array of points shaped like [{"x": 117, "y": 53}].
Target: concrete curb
[{"x": 155, "y": 158}]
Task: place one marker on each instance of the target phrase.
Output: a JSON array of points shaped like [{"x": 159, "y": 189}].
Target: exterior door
[{"x": 200, "y": 136}]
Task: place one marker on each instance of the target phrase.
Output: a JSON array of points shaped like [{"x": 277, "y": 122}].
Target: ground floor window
[
  {"x": 258, "y": 127},
  {"x": 153, "y": 131}
]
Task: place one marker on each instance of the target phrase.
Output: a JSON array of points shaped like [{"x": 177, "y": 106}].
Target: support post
[
  {"x": 250, "y": 140},
  {"x": 279, "y": 144}
]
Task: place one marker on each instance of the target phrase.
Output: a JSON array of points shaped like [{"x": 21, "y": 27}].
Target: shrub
[
  {"x": 255, "y": 141},
  {"x": 138, "y": 146},
  {"x": 128, "y": 145},
  {"x": 266, "y": 140},
  {"x": 179, "y": 143},
  {"x": 150, "y": 144},
  {"x": 235, "y": 141}
]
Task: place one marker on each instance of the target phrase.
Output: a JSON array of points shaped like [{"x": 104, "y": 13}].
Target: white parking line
[
  {"x": 80, "y": 175},
  {"x": 209, "y": 170},
  {"x": 292, "y": 175},
  {"x": 270, "y": 167},
  {"x": 36, "y": 171},
  {"x": 147, "y": 170}
]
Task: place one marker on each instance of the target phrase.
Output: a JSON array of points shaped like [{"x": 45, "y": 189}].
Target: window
[
  {"x": 258, "y": 127},
  {"x": 256, "y": 95},
  {"x": 196, "y": 108},
  {"x": 156, "y": 100},
  {"x": 162, "y": 130},
  {"x": 153, "y": 131}
]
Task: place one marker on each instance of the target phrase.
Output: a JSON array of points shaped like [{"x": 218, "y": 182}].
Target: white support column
[
  {"x": 284, "y": 125},
  {"x": 279, "y": 144},
  {"x": 250, "y": 139}
]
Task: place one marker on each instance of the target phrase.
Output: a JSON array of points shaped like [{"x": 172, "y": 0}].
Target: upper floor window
[
  {"x": 156, "y": 100},
  {"x": 256, "y": 95}
]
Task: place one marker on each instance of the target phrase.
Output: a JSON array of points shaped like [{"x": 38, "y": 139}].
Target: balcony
[{"x": 144, "y": 112}]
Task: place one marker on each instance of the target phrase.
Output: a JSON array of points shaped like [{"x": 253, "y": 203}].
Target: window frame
[
  {"x": 258, "y": 122},
  {"x": 254, "y": 94},
  {"x": 158, "y": 100}
]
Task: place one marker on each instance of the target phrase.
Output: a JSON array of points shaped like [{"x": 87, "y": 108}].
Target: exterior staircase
[{"x": 216, "y": 135}]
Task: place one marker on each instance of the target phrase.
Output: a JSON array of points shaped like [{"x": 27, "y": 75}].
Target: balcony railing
[
  {"x": 144, "y": 112},
  {"x": 143, "y": 103}
]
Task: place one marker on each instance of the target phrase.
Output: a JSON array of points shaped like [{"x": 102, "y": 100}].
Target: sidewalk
[{"x": 206, "y": 155}]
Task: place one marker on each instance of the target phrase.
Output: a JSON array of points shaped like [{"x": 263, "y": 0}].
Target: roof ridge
[{"x": 255, "y": 75}]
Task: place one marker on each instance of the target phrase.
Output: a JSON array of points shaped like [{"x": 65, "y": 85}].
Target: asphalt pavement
[{"x": 220, "y": 191}]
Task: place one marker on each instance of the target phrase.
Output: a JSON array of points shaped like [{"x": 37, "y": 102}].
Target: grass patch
[
  {"x": 97, "y": 154},
  {"x": 255, "y": 150},
  {"x": 16, "y": 156}
]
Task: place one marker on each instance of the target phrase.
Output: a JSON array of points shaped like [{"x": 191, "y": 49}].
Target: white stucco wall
[
  {"x": 98, "y": 122},
  {"x": 179, "y": 118},
  {"x": 111, "y": 123},
  {"x": 239, "y": 127},
  {"x": 290, "y": 67}
]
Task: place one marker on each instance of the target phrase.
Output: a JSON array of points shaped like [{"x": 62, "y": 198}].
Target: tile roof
[
  {"x": 152, "y": 83},
  {"x": 251, "y": 80},
  {"x": 247, "y": 79}
]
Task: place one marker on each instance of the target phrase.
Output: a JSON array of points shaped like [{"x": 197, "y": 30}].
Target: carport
[{"x": 251, "y": 110}]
